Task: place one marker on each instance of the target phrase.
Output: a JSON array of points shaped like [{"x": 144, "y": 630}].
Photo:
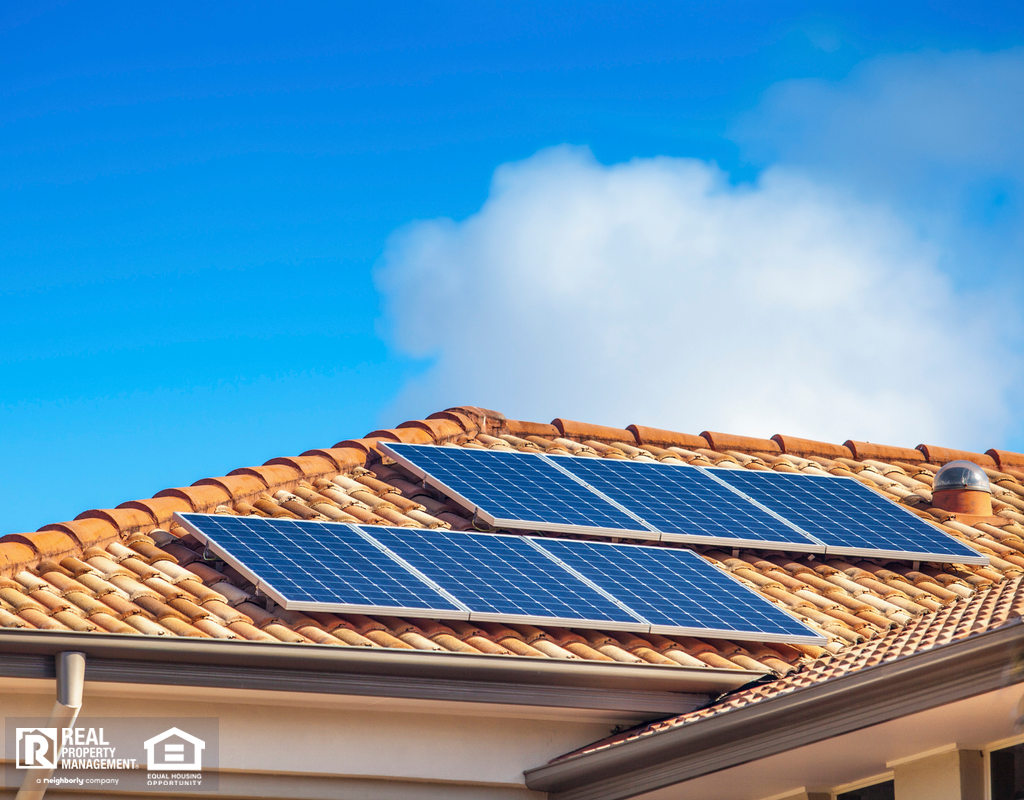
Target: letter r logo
[{"x": 37, "y": 747}]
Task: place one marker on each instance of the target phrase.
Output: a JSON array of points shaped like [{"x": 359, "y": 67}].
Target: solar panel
[
  {"x": 332, "y": 567},
  {"x": 653, "y": 501},
  {"x": 688, "y": 505},
  {"x": 503, "y": 579},
  {"x": 318, "y": 566},
  {"x": 679, "y": 592},
  {"x": 516, "y": 490},
  {"x": 850, "y": 518}
]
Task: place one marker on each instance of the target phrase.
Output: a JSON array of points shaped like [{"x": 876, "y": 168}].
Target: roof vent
[
  {"x": 962, "y": 488},
  {"x": 962, "y": 475}
]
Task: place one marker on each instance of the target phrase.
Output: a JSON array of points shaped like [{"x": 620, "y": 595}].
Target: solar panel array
[
  {"x": 664, "y": 502},
  {"x": 334, "y": 567}
]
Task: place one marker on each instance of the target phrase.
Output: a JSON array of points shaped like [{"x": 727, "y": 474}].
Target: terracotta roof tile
[
  {"x": 469, "y": 422},
  {"x": 744, "y": 444},
  {"x": 1006, "y": 459},
  {"x": 809, "y": 447},
  {"x": 44, "y": 543},
  {"x": 70, "y": 620},
  {"x": 273, "y": 475},
  {"x": 540, "y": 429},
  {"x": 943, "y": 455},
  {"x": 645, "y": 436},
  {"x": 407, "y": 435},
  {"x": 15, "y": 553},
  {"x": 158, "y": 509},
  {"x": 883, "y": 452},
  {"x": 310, "y": 466},
  {"x": 125, "y": 520},
  {"x": 239, "y": 484},
  {"x": 439, "y": 430},
  {"x": 570, "y": 429}
]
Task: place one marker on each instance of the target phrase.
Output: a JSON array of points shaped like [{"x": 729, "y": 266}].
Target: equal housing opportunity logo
[{"x": 174, "y": 749}]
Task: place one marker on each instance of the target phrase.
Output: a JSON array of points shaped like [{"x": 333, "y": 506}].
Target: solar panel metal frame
[
  {"x": 640, "y": 532},
  {"x": 278, "y": 596},
  {"x": 979, "y": 559},
  {"x": 681, "y": 630}
]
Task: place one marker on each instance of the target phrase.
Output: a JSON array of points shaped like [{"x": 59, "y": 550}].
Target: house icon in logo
[
  {"x": 37, "y": 748},
  {"x": 174, "y": 749}
]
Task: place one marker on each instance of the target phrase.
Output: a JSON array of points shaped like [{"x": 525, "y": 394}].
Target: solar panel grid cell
[
  {"x": 686, "y": 502},
  {"x": 849, "y": 518},
  {"x": 515, "y": 489},
  {"x": 501, "y": 576},
  {"x": 314, "y": 563},
  {"x": 677, "y": 591}
]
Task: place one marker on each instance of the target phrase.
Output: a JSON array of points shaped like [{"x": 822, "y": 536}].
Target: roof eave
[
  {"x": 868, "y": 697},
  {"x": 459, "y": 677}
]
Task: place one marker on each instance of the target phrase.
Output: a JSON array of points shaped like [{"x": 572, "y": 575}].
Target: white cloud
[
  {"x": 897, "y": 117},
  {"x": 935, "y": 134},
  {"x": 657, "y": 293}
]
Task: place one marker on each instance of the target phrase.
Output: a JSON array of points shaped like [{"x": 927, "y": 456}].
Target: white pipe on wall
[{"x": 70, "y": 683}]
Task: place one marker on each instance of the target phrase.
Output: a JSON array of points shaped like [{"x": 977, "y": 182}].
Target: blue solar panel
[
  {"x": 502, "y": 578},
  {"x": 850, "y": 518},
  {"x": 679, "y": 592},
  {"x": 318, "y": 566},
  {"x": 635, "y": 499},
  {"x": 687, "y": 504},
  {"x": 517, "y": 490}
]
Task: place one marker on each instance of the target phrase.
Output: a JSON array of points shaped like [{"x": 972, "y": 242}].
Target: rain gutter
[{"x": 313, "y": 668}]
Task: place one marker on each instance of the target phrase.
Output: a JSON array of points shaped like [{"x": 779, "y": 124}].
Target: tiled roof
[{"x": 132, "y": 570}]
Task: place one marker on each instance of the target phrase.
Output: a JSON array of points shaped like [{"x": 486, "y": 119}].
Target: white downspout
[{"x": 70, "y": 680}]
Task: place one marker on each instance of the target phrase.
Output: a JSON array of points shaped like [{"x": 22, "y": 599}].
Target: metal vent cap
[{"x": 962, "y": 475}]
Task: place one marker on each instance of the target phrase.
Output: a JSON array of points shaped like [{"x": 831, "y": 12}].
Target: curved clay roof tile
[
  {"x": 943, "y": 455},
  {"x": 792, "y": 445},
  {"x": 570, "y": 429}
]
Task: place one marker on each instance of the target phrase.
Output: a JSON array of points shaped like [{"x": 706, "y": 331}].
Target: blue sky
[{"x": 236, "y": 232}]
